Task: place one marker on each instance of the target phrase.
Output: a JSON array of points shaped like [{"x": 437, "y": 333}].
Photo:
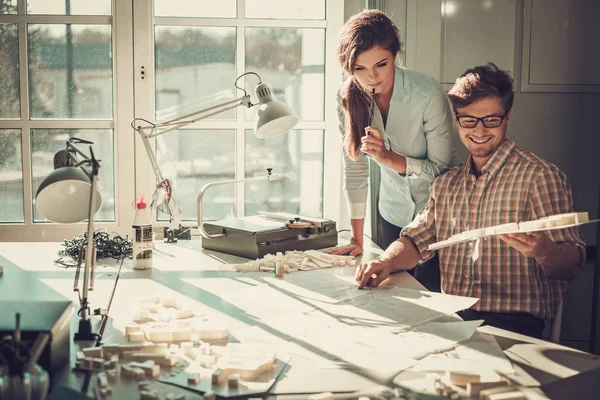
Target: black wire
[
  {"x": 246, "y": 73},
  {"x": 348, "y": 230},
  {"x": 107, "y": 245},
  {"x": 137, "y": 128}
]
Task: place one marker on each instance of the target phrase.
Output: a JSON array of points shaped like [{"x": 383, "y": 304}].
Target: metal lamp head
[
  {"x": 64, "y": 196},
  {"x": 273, "y": 117}
]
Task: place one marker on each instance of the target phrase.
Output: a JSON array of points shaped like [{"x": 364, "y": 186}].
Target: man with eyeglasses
[{"x": 518, "y": 278}]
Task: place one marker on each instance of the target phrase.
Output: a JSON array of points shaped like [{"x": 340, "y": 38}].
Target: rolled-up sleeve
[
  {"x": 437, "y": 126},
  {"x": 356, "y": 176},
  {"x": 551, "y": 195}
]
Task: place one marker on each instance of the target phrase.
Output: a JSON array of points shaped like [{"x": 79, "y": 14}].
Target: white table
[{"x": 186, "y": 272}]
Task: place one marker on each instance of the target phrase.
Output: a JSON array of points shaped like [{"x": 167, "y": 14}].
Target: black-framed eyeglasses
[{"x": 490, "y": 121}]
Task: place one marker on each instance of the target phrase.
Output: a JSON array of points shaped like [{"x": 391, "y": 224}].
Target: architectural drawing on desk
[
  {"x": 559, "y": 221},
  {"x": 293, "y": 261},
  {"x": 167, "y": 320},
  {"x": 398, "y": 309}
]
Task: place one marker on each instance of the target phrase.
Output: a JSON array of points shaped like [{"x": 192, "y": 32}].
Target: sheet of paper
[
  {"x": 396, "y": 309},
  {"x": 319, "y": 285},
  {"x": 435, "y": 337},
  {"x": 331, "y": 343}
]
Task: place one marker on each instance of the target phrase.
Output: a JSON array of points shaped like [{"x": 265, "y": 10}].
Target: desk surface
[{"x": 187, "y": 273}]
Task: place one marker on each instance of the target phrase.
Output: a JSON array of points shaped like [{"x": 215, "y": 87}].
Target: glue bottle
[{"x": 142, "y": 236}]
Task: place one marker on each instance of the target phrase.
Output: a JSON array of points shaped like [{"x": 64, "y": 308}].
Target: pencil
[{"x": 372, "y": 106}]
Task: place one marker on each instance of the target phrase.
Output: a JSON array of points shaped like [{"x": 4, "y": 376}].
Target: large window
[
  {"x": 197, "y": 53},
  {"x": 80, "y": 68}
]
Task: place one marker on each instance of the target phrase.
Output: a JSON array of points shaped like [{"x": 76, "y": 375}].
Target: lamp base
[
  {"x": 181, "y": 233},
  {"x": 85, "y": 331}
]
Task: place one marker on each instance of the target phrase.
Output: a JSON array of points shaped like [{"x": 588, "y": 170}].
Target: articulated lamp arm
[{"x": 269, "y": 176}]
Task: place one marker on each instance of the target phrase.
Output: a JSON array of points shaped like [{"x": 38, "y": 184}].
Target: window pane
[
  {"x": 195, "y": 69},
  {"x": 298, "y": 157},
  {"x": 11, "y": 176},
  {"x": 289, "y": 9},
  {"x": 8, "y": 7},
  {"x": 10, "y": 106},
  {"x": 192, "y": 158},
  {"x": 46, "y": 142},
  {"x": 196, "y": 8},
  {"x": 292, "y": 61},
  {"x": 69, "y": 7},
  {"x": 70, "y": 71}
]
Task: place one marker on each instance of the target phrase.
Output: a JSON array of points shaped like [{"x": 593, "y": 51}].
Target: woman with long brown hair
[{"x": 394, "y": 116}]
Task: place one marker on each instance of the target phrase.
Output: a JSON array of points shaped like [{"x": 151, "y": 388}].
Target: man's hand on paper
[
  {"x": 372, "y": 273},
  {"x": 353, "y": 249},
  {"x": 530, "y": 244}
]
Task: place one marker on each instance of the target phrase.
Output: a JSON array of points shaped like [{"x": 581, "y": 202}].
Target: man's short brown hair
[{"x": 480, "y": 82}]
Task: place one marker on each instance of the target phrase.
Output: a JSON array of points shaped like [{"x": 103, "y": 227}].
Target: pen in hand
[{"x": 371, "y": 108}]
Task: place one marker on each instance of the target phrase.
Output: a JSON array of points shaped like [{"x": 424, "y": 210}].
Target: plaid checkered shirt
[{"x": 515, "y": 185}]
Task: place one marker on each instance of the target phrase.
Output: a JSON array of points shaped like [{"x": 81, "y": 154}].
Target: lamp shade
[
  {"x": 64, "y": 196},
  {"x": 273, "y": 117}
]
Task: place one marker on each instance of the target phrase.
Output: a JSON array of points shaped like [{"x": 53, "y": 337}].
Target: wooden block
[
  {"x": 93, "y": 352},
  {"x": 187, "y": 348},
  {"x": 139, "y": 374},
  {"x": 129, "y": 329},
  {"x": 218, "y": 376},
  {"x": 186, "y": 312},
  {"x": 194, "y": 378},
  {"x": 168, "y": 302},
  {"x": 102, "y": 380},
  {"x": 181, "y": 334},
  {"x": 516, "y": 395},
  {"x": 127, "y": 371},
  {"x": 322, "y": 396},
  {"x": 159, "y": 335},
  {"x": 205, "y": 348},
  {"x": 474, "y": 388},
  {"x": 484, "y": 394},
  {"x": 151, "y": 369},
  {"x": 149, "y": 395},
  {"x": 461, "y": 378},
  {"x": 160, "y": 359},
  {"x": 213, "y": 332},
  {"x": 108, "y": 350},
  {"x": 80, "y": 355},
  {"x": 98, "y": 364},
  {"x": 111, "y": 376}
]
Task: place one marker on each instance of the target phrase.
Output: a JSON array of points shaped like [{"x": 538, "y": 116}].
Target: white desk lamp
[
  {"x": 272, "y": 118},
  {"x": 69, "y": 194}
]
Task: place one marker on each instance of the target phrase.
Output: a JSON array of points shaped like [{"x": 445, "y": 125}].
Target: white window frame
[{"x": 122, "y": 46}]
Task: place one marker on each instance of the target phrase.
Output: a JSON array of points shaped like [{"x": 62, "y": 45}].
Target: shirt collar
[
  {"x": 495, "y": 162},
  {"x": 398, "y": 93}
]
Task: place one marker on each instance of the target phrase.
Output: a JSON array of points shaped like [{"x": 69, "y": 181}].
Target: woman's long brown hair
[{"x": 362, "y": 31}]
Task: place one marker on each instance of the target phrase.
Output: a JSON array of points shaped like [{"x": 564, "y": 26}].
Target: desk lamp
[
  {"x": 70, "y": 194},
  {"x": 272, "y": 118}
]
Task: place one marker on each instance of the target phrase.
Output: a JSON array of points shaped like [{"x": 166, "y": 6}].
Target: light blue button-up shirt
[{"x": 419, "y": 127}]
